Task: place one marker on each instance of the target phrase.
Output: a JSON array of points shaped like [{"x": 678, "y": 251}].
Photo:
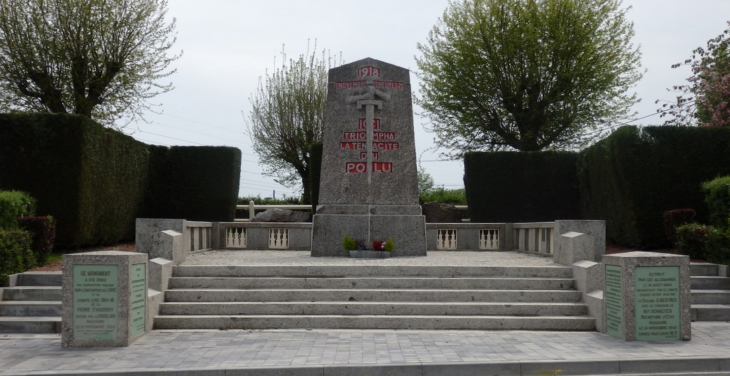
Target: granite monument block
[
  {"x": 368, "y": 184},
  {"x": 104, "y": 299}
]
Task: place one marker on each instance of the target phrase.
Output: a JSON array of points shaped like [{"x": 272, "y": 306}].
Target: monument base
[{"x": 402, "y": 223}]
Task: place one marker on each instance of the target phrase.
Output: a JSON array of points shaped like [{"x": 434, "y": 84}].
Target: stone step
[
  {"x": 710, "y": 283},
  {"x": 30, "y": 308},
  {"x": 710, "y": 312},
  {"x": 329, "y": 295},
  {"x": 32, "y": 293},
  {"x": 39, "y": 279},
  {"x": 372, "y": 283},
  {"x": 322, "y": 271},
  {"x": 710, "y": 296},
  {"x": 562, "y": 323},
  {"x": 30, "y": 324},
  {"x": 375, "y": 308},
  {"x": 702, "y": 269}
]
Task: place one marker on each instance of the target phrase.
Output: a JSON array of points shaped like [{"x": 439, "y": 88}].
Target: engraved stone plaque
[
  {"x": 95, "y": 302},
  {"x": 657, "y": 303},
  {"x": 138, "y": 278},
  {"x": 614, "y": 301}
]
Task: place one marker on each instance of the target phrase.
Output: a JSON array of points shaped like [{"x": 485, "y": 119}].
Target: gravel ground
[{"x": 436, "y": 258}]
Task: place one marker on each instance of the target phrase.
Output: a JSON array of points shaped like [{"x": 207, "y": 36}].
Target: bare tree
[
  {"x": 97, "y": 58},
  {"x": 287, "y": 118}
]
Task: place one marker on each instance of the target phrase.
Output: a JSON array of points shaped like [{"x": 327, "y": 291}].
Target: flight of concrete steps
[
  {"x": 710, "y": 293},
  {"x": 373, "y": 297},
  {"x": 33, "y": 305}
]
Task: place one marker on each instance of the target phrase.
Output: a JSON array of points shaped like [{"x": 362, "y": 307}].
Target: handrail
[{"x": 252, "y": 207}]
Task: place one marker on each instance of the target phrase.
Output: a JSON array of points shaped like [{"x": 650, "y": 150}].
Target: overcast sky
[{"x": 229, "y": 44}]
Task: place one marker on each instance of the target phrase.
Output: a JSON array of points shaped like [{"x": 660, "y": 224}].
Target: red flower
[{"x": 378, "y": 245}]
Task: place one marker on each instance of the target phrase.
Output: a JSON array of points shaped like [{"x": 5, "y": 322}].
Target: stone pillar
[
  {"x": 368, "y": 184},
  {"x": 573, "y": 247},
  {"x": 104, "y": 299},
  {"x": 647, "y": 296}
]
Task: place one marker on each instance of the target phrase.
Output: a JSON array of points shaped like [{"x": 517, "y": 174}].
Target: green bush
[
  {"x": 16, "y": 255},
  {"x": 692, "y": 239},
  {"x": 389, "y": 245},
  {"x": 630, "y": 178},
  {"x": 717, "y": 248},
  {"x": 89, "y": 178},
  {"x": 198, "y": 183},
  {"x": 13, "y": 205},
  {"x": 43, "y": 233},
  {"x": 521, "y": 186},
  {"x": 717, "y": 197},
  {"x": 442, "y": 195}
]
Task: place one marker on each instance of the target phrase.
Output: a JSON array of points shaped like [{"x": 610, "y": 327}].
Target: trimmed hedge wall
[
  {"x": 521, "y": 186},
  {"x": 197, "y": 183},
  {"x": 95, "y": 181},
  {"x": 315, "y": 163},
  {"x": 16, "y": 253},
  {"x": 630, "y": 178},
  {"x": 91, "y": 179}
]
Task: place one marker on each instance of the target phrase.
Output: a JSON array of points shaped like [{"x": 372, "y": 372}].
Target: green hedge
[
  {"x": 315, "y": 162},
  {"x": 89, "y": 178},
  {"x": 15, "y": 253},
  {"x": 198, "y": 183},
  {"x": 521, "y": 186},
  {"x": 630, "y": 178}
]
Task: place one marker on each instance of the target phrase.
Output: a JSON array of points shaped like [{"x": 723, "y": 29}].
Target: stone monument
[
  {"x": 647, "y": 296},
  {"x": 104, "y": 299},
  {"x": 368, "y": 184}
]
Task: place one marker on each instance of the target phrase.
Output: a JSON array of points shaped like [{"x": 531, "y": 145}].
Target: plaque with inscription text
[
  {"x": 614, "y": 301},
  {"x": 95, "y": 302},
  {"x": 657, "y": 303},
  {"x": 138, "y": 279}
]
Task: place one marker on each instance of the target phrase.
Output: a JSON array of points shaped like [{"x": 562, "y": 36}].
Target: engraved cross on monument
[{"x": 368, "y": 184}]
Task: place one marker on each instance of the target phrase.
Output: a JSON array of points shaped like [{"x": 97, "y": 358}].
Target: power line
[
  {"x": 200, "y": 122},
  {"x": 189, "y": 131}
]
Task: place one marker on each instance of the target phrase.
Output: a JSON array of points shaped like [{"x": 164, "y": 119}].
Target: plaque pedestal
[
  {"x": 403, "y": 223},
  {"x": 647, "y": 296},
  {"x": 104, "y": 299}
]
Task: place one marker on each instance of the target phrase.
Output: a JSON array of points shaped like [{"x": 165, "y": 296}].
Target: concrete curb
[{"x": 709, "y": 365}]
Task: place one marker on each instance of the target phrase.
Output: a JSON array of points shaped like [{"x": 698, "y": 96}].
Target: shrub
[
  {"x": 349, "y": 244},
  {"x": 442, "y": 195},
  {"x": 717, "y": 248},
  {"x": 636, "y": 174},
  {"x": 521, "y": 186},
  {"x": 13, "y": 205},
  {"x": 675, "y": 218},
  {"x": 43, "y": 232},
  {"x": 15, "y": 252},
  {"x": 692, "y": 239},
  {"x": 717, "y": 197}
]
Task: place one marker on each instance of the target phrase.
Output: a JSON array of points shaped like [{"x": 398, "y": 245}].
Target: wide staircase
[
  {"x": 373, "y": 297},
  {"x": 33, "y": 305},
  {"x": 710, "y": 293}
]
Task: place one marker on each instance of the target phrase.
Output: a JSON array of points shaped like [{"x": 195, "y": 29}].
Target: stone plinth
[
  {"x": 647, "y": 296},
  {"x": 368, "y": 185},
  {"x": 104, "y": 299},
  {"x": 573, "y": 247}
]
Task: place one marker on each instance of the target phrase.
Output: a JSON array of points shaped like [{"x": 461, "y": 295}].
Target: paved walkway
[
  {"x": 326, "y": 352},
  {"x": 434, "y": 258}
]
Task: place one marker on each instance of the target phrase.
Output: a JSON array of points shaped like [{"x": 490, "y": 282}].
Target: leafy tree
[
  {"x": 527, "y": 74},
  {"x": 97, "y": 58},
  {"x": 425, "y": 181},
  {"x": 706, "y": 99},
  {"x": 287, "y": 118}
]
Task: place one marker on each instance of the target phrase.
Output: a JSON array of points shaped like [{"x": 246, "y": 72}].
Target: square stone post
[
  {"x": 647, "y": 296},
  {"x": 104, "y": 299}
]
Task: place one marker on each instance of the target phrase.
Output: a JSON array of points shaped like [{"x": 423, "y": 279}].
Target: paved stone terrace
[
  {"x": 434, "y": 258},
  {"x": 247, "y": 350}
]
